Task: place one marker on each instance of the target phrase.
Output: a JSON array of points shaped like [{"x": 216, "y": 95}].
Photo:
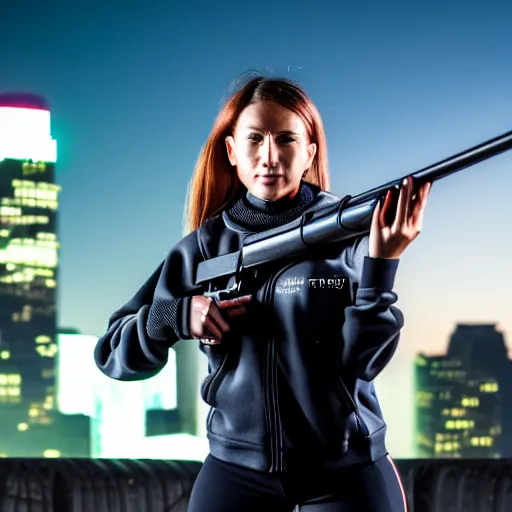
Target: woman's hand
[
  {"x": 390, "y": 241},
  {"x": 207, "y": 318}
]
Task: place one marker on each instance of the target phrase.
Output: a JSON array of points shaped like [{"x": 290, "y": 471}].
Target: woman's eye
[{"x": 286, "y": 139}]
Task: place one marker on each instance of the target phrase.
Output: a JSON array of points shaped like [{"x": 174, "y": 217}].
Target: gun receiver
[{"x": 349, "y": 218}]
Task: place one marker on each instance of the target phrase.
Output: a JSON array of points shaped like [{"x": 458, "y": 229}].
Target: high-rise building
[
  {"x": 482, "y": 349},
  {"x": 458, "y": 415},
  {"x": 28, "y": 275},
  {"x": 462, "y": 398}
]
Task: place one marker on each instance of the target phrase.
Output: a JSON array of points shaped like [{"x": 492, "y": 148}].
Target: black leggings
[{"x": 222, "y": 487}]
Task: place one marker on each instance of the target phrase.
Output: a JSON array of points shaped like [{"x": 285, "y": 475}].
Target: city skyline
[
  {"x": 439, "y": 349},
  {"x": 398, "y": 88}
]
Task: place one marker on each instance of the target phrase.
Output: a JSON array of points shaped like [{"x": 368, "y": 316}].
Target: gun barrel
[
  {"x": 289, "y": 243},
  {"x": 451, "y": 165}
]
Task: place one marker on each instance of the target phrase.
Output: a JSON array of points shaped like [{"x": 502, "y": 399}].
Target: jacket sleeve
[
  {"x": 139, "y": 334},
  {"x": 372, "y": 326}
]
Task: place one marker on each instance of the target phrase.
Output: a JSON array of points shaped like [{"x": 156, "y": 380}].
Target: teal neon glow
[{"x": 25, "y": 135}]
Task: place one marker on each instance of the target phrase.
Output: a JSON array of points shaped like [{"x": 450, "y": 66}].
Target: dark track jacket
[{"x": 291, "y": 385}]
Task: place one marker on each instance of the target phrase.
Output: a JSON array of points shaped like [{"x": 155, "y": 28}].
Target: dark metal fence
[{"x": 86, "y": 485}]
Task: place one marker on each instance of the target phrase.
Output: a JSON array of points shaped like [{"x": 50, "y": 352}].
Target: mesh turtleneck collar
[{"x": 256, "y": 214}]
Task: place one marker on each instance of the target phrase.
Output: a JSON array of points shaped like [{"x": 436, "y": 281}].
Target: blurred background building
[
  {"x": 29, "y": 199},
  {"x": 138, "y": 419},
  {"x": 463, "y": 397}
]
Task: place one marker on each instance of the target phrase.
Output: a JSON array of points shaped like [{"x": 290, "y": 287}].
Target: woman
[{"x": 294, "y": 417}]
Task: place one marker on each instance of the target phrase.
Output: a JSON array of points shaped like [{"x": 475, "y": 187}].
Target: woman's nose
[{"x": 270, "y": 153}]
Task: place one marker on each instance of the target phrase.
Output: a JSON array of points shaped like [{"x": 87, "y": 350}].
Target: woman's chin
[{"x": 270, "y": 192}]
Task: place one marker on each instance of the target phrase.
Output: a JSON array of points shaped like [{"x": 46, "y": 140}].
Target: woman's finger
[
  {"x": 383, "y": 212},
  {"x": 238, "y": 311},
  {"x": 234, "y": 307},
  {"x": 232, "y": 303},
  {"x": 403, "y": 206},
  {"x": 376, "y": 216},
  {"x": 419, "y": 207},
  {"x": 216, "y": 315},
  {"x": 210, "y": 328}
]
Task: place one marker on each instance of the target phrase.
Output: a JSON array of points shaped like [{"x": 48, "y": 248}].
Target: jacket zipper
[{"x": 271, "y": 391}]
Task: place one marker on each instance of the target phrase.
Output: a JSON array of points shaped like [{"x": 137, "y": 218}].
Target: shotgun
[{"x": 348, "y": 218}]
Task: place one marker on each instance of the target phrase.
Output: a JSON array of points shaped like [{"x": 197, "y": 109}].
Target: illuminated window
[
  {"x": 47, "y": 350},
  {"x": 9, "y": 211},
  {"x": 13, "y": 379},
  {"x": 470, "y": 402},
  {"x": 30, "y": 167},
  {"x": 36, "y": 195},
  {"x": 49, "y": 403},
  {"x": 30, "y": 252},
  {"x": 482, "y": 441},
  {"x": 51, "y": 454},
  {"x": 10, "y": 387},
  {"x": 459, "y": 424},
  {"x": 489, "y": 387}
]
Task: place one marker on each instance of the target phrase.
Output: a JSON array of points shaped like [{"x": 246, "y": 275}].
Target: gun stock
[{"x": 350, "y": 218}]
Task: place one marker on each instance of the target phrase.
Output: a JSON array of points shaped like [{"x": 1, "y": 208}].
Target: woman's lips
[{"x": 269, "y": 179}]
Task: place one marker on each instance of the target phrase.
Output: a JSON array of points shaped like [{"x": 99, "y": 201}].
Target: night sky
[{"x": 134, "y": 88}]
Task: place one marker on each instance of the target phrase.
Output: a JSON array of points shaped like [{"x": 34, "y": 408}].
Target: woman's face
[{"x": 270, "y": 150}]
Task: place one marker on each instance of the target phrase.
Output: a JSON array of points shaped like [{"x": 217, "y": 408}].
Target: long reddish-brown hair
[{"x": 215, "y": 182}]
